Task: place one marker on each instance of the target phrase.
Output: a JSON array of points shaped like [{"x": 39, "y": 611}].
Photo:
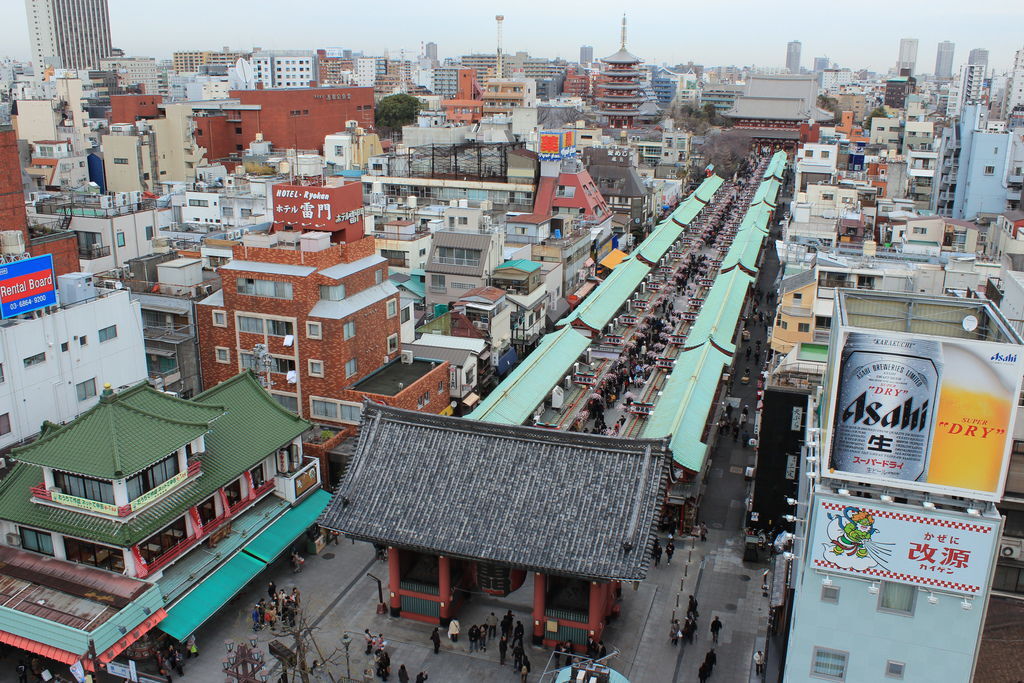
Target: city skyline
[{"x": 760, "y": 40}]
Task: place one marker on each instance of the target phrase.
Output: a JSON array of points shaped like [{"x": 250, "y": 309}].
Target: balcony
[{"x": 92, "y": 253}]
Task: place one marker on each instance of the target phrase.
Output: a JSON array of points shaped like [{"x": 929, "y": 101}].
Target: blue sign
[{"x": 27, "y": 285}]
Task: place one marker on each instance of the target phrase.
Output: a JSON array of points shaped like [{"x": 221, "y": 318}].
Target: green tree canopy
[
  {"x": 395, "y": 111},
  {"x": 876, "y": 112}
]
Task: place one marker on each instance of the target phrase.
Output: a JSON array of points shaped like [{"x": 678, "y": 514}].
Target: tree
[
  {"x": 727, "y": 150},
  {"x": 395, "y": 111},
  {"x": 878, "y": 112},
  {"x": 829, "y": 104}
]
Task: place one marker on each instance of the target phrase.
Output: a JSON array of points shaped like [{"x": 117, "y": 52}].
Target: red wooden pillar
[
  {"x": 395, "y": 580},
  {"x": 595, "y": 611},
  {"x": 444, "y": 587},
  {"x": 540, "y": 584}
]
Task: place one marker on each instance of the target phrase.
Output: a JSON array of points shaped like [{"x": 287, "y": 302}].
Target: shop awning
[
  {"x": 471, "y": 400},
  {"x": 279, "y": 535},
  {"x": 614, "y": 258},
  {"x": 210, "y": 595}
]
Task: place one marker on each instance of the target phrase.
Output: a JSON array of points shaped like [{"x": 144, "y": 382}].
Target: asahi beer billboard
[
  {"x": 920, "y": 412},
  {"x": 890, "y": 542}
]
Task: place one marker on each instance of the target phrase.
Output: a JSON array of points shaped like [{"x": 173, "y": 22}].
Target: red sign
[{"x": 330, "y": 209}]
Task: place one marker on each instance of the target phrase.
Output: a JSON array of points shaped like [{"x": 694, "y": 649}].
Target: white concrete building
[
  {"x": 134, "y": 71},
  {"x": 53, "y": 367},
  {"x": 284, "y": 68}
]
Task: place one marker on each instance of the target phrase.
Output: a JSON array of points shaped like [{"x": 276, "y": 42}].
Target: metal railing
[{"x": 93, "y": 252}]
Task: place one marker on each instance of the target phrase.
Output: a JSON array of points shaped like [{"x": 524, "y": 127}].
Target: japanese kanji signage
[
  {"x": 889, "y": 542},
  {"x": 922, "y": 412},
  {"x": 329, "y": 209},
  {"x": 555, "y": 145}
]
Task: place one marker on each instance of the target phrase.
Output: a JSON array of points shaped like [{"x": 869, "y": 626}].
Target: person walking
[
  {"x": 656, "y": 552},
  {"x": 492, "y": 625},
  {"x": 502, "y": 648},
  {"x": 759, "y": 663},
  {"x": 703, "y": 673},
  {"x": 711, "y": 659},
  {"x": 191, "y": 649},
  {"x": 670, "y": 549},
  {"x": 435, "y": 638},
  {"x": 506, "y": 624},
  {"x": 691, "y": 608},
  {"x": 674, "y": 632},
  {"x": 257, "y": 618},
  {"x": 517, "y": 635},
  {"x": 403, "y": 675},
  {"x": 517, "y": 657},
  {"x": 716, "y": 627},
  {"x": 272, "y": 590},
  {"x": 481, "y": 640},
  {"x": 474, "y": 634},
  {"x": 703, "y": 532},
  {"x": 421, "y": 677},
  {"x": 453, "y": 630},
  {"x": 524, "y": 670}
]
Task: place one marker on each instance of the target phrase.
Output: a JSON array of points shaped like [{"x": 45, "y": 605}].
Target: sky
[{"x": 864, "y": 34}]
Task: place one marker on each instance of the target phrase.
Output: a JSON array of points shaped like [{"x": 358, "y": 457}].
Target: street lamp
[
  {"x": 244, "y": 663},
  {"x": 346, "y": 640}
]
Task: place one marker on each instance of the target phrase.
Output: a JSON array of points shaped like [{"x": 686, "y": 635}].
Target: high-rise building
[
  {"x": 908, "y": 56},
  {"x": 793, "y": 56},
  {"x": 968, "y": 89},
  {"x": 944, "y": 59},
  {"x": 586, "y": 54},
  {"x": 978, "y": 55},
  {"x": 73, "y": 34},
  {"x": 430, "y": 52},
  {"x": 1015, "y": 84},
  {"x": 820, "y": 64}
]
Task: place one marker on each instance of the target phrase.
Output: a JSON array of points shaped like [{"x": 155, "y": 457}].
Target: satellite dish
[
  {"x": 244, "y": 70},
  {"x": 970, "y": 323}
]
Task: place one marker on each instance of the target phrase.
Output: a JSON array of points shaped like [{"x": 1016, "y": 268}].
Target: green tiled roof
[
  {"x": 253, "y": 427},
  {"x": 520, "y": 263},
  {"x": 122, "y": 434}
]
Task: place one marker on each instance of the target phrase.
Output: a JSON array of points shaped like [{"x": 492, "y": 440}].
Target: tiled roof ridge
[{"x": 251, "y": 378}]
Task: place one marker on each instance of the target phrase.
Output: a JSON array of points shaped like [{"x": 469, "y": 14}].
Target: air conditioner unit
[
  {"x": 13, "y": 539},
  {"x": 407, "y": 357},
  {"x": 567, "y": 382},
  {"x": 1011, "y": 548}
]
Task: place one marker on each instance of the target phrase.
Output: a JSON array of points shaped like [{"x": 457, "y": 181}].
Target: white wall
[{"x": 47, "y": 391}]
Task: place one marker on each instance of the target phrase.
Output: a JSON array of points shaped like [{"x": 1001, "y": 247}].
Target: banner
[
  {"x": 27, "y": 285},
  {"x": 888, "y": 542},
  {"x": 328, "y": 209},
  {"x": 920, "y": 412}
]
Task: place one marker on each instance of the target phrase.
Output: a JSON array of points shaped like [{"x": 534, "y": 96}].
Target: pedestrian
[
  {"x": 271, "y": 590},
  {"x": 492, "y": 625},
  {"x": 691, "y": 608},
  {"x": 369, "y": 640},
  {"x": 524, "y": 670},
  {"x": 759, "y": 662},
  {"x": 764, "y": 583},
  {"x": 502, "y": 648},
  {"x": 403, "y": 675},
  {"x": 474, "y": 634},
  {"x": 517, "y": 657},
  {"x": 421, "y": 677},
  {"x": 703, "y": 532},
  {"x": 22, "y": 671},
  {"x": 191, "y": 650},
  {"x": 178, "y": 661},
  {"x": 674, "y": 632},
  {"x": 453, "y": 630},
  {"x": 296, "y": 595},
  {"x": 703, "y": 672},
  {"x": 711, "y": 659},
  {"x": 716, "y": 627},
  {"x": 518, "y": 633},
  {"x": 656, "y": 552},
  {"x": 670, "y": 549},
  {"x": 481, "y": 639},
  {"x": 506, "y": 623},
  {"x": 435, "y": 638},
  {"x": 257, "y": 618}
]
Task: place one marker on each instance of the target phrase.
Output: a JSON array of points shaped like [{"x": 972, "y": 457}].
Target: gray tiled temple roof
[{"x": 536, "y": 499}]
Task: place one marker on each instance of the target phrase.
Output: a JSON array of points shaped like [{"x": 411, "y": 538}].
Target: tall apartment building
[
  {"x": 319, "y": 323},
  {"x": 793, "y": 56},
  {"x": 944, "y": 59},
  {"x": 907, "y": 57},
  {"x": 586, "y": 54},
  {"x": 191, "y": 61},
  {"x": 72, "y": 34},
  {"x": 978, "y": 55},
  {"x": 284, "y": 68},
  {"x": 1015, "y": 84},
  {"x": 969, "y": 89}
]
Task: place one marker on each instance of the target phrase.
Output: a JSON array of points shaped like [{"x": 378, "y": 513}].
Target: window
[
  {"x": 457, "y": 256},
  {"x": 392, "y": 308},
  {"x": 102, "y": 556},
  {"x": 121, "y": 161},
  {"x": 783, "y": 324},
  {"x": 325, "y": 409},
  {"x": 378, "y": 276},
  {"x": 287, "y": 402},
  {"x": 208, "y": 510},
  {"x": 108, "y": 333},
  {"x": 35, "y": 360},
  {"x": 825, "y": 154},
  {"x": 829, "y": 664},
  {"x": 830, "y": 594},
  {"x": 149, "y": 232},
  {"x": 990, "y": 170},
  {"x": 798, "y": 296},
  {"x": 406, "y": 314},
  {"x": 247, "y": 323},
  {"x": 895, "y": 669},
  {"x": 152, "y": 476},
  {"x": 120, "y": 239},
  {"x": 5, "y": 423},
  {"x": 162, "y": 541},
  {"x": 279, "y": 328},
  {"x": 83, "y": 340},
  {"x": 219, "y": 319},
  {"x": 281, "y": 365},
  {"x": 314, "y": 330},
  {"x": 351, "y": 367},
  {"x": 316, "y": 368},
  {"x": 1, "y": 373},
  {"x": 392, "y": 343},
  {"x": 198, "y": 202},
  {"x": 437, "y": 282},
  {"x": 897, "y": 598},
  {"x": 803, "y": 327},
  {"x": 84, "y": 487},
  {"x": 86, "y": 389},
  {"x": 332, "y": 292},
  {"x": 272, "y": 289},
  {"x": 222, "y": 354},
  {"x": 348, "y": 330},
  {"x": 36, "y": 541}
]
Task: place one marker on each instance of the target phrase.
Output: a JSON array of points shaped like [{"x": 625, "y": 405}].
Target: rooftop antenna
[
  {"x": 500, "y": 18},
  {"x": 623, "y": 31}
]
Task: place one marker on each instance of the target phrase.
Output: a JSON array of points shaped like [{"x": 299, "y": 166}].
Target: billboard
[
  {"x": 921, "y": 412},
  {"x": 27, "y": 285},
  {"x": 556, "y": 145},
  {"x": 892, "y": 543},
  {"x": 330, "y": 209}
]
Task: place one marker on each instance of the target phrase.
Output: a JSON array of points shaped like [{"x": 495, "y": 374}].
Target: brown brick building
[{"x": 328, "y": 318}]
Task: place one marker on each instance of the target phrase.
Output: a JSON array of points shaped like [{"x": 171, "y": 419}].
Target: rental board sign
[{"x": 27, "y": 285}]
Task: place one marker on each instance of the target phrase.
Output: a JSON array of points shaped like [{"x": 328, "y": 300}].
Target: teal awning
[
  {"x": 210, "y": 595},
  {"x": 282, "y": 532}
]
